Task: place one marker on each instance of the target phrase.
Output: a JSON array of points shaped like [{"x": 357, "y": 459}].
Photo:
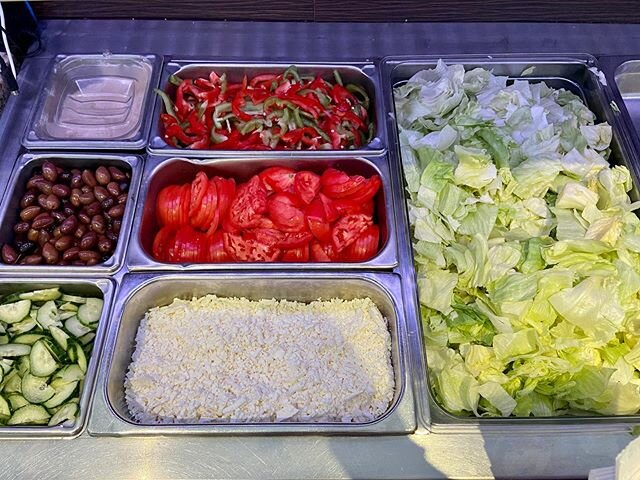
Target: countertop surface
[{"x": 539, "y": 454}]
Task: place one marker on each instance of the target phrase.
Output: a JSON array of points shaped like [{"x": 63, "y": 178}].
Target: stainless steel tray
[
  {"x": 138, "y": 293},
  {"x": 103, "y": 288},
  {"x": 577, "y": 73},
  {"x": 95, "y": 102},
  {"x": 160, "y": 171},
  {"x": 364, "y": 74},
  {"x": 10, "y": 206}
]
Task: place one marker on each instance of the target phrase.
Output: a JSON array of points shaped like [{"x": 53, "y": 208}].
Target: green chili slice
[{"x": 168, "y": 104}]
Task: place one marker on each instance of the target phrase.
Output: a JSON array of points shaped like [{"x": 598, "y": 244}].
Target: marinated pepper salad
[{"x": 526, "y": 246}]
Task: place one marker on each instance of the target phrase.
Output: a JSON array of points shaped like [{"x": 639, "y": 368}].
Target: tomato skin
[
  {"x": 337, "y": 184},
  {"x": 183, "y": 209},
  {"x": 250, "y": 202},
  {"x": 365, "y": 246},
  {"x": 330, "y": 211},
  {"x": 285, "y": 213},
  {"x": 199, "y": 188},
  {"x": 348, "y": 229},
  {"x": 278, "y": 179},
  {"x": 190, "y": 246},
  {"x": 268, "y": 236},
  {"x": 169, "y": 205},
  {"x": 249, "y": 250},
  {"x": 226, "y": 192},
  {"x": 294, "y": 240},
  {"x": 322, "y": 252},
  {"x": 298, "y": 255},
  {"x": 346, "y": 206},
  {"x": 307, "y": 185},
  {"x": 207, "y": 211},
  {"x": 367, "y": 191},
  {"x": 216, "y": 252},
  {"x": 163, "y": 242}
]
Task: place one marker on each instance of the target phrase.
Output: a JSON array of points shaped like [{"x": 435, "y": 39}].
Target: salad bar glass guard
[{"x": 479, "y": 211}]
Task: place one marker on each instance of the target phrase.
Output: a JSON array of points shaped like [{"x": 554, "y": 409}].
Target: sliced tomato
[
  {"x": 163, "y": 241},
  {"x": 294, "y": 240},
  {"x": 268, "y": 236},
  {"x": 348, "y": 229},
  {"x": 323, "y": 252},
  {"x": 279, "y": 179},
  {"x": 249, "y": 250},
  {"x": 229, "y": 227},
  {"x": 367, "y": 191},
  {"x": 249, "y": 203},
  {"x": 226, "y": 192},
  {"x": 346, "y": 206},
  {"x": 207, "y": 211},
  {"x": 365, "y": 246},
  {"x": 169, "y": 205},
  {"x": 190, "y": 246},
  {"x": 307, "y": 185},
  {"x": 185, "y": 205},
  {"x": 316, "y": 221},
  {"x": 330, "y": 211},
  {"x": 285, "y": 213},
  {"x": 333, "y": 176},
  {"x": 216, "y": 252},
  {"x": 337, "y": 184},
  {"x": 199, "y": 188},
  {"x": 265, "y": 222},
  {"x": 300, "y": 254}
]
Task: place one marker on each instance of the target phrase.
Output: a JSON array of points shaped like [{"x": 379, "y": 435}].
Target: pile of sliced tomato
[{"x": 278, "y": 215}]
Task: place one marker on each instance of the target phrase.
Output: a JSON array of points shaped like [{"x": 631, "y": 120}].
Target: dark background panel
[{"x": 607, "y": 11}]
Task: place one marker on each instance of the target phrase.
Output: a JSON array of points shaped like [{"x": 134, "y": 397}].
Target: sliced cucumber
[
  {"x": 42, "y": 362},
  {"x": 67, "y": 413},
  {"x": 4, "y": 339},
  {"x": 68, "y": 374},
  {"x": 14, "y": 350},
  {"x": 24, "y": 326},
  {"x": 5, "y": 411},
  {"x": 43, "y": 295},
  {"x": 48, "y": 315},
  {"x": 76, "y": 354},
  {"x": 89, "y": 313},
  {"x": 29, "y": 415},
  {"x": 28, "y": 338},
  {"x": 15, "y": 312},
  {"x": 68, "y": 307},
  {"x": 2, "y": 330},
  {"x": 63, "y": 392},
  {"x": 72, "y": 299},
  {"x": 17, "y": 401},
  {"x": 59, "y": 336},
  {"x": 1, "y": 376},
  {"x": 23, "y": 365},
  {"x": 36, "y": 389},
  {"x": 75, "y": 328},
  {"x": 87, "y": 338},
  {"x": 13, "y": 383},
  {"x": 65, "y": 315},
  {"x": 6, "y": 364}
]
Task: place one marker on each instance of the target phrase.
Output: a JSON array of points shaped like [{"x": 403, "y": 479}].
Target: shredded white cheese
[{"x": 213, "y": 359}]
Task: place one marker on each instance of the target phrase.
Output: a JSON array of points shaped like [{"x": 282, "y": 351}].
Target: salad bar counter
[{"x": 416, "y": 265}]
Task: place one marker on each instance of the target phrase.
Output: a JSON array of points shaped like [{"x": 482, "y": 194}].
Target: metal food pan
[
  {"x": 364, "y": 74},
  {"x": 101, "y": 288},
  {"x": 140, "y": 292},
  {"x": 24, "y": 169},
  {"x": 95, "y": 102},
  {"x": 160, "y": 172},
  {"x": 577, "y": 73}
]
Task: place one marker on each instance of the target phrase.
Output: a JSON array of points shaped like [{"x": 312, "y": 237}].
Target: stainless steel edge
[
  {"x": 9, "y": 201},
  {"x": 139, "y": 260},
  {"x": 431, "y": 416},
  {"x": 31, "y": 141},
  {"x": 367, "y": 70},
  {"x": 78, "y": 286},
  {"x": 399, "y": 419}
]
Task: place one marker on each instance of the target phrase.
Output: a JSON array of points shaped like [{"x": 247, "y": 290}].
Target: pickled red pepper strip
[{"x": 269, "y": 111}]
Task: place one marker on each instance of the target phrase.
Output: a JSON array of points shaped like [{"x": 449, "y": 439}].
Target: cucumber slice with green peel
[
  {"x": 76, "y": 354},
  {"x": 28, "y": 338},
  {"x": 24, "y": 326},
  {"x": 89, "y": 313},
  {"x": 17, "y": 401},
  {"x": 15, "y": 312},
  {"x": 12, "y": 383},
  {"x": 14, "y": 350},
  {"x": 10, "y": 298},
  {"x": 1, "y": 376},
  {"x": 75, "y": 328},
  {"x": 5, "y": 411},
  {"x": 4, "y": 339},
  {"x": 59, "y": 336},
  {"x": 63, "y": 393},
  {"x": 43, "y": 295},
  {"x": 68, "y": 374},
  {"x": 36, "y": 389},
  {"x": 30, "y": 415},
  {"x": 2, "y": 330},
  {"x": 73, "y": 299},
  {"x": 23, "y": 365},
  {"x": 87, "y": 338},
  {"x": 42, "y": 362},
  {"x": 68, "y": 307},
  {"x": 48, "y": 315},
  {"x": 64, "y": 315},
  {"x": 68, "y": 412}
]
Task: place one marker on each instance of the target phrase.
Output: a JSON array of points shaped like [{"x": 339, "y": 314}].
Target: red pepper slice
[{"x": 237, "y": 104}]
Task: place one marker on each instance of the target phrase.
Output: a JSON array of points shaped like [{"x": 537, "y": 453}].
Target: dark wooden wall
[{"x": 600, "y": 11}]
